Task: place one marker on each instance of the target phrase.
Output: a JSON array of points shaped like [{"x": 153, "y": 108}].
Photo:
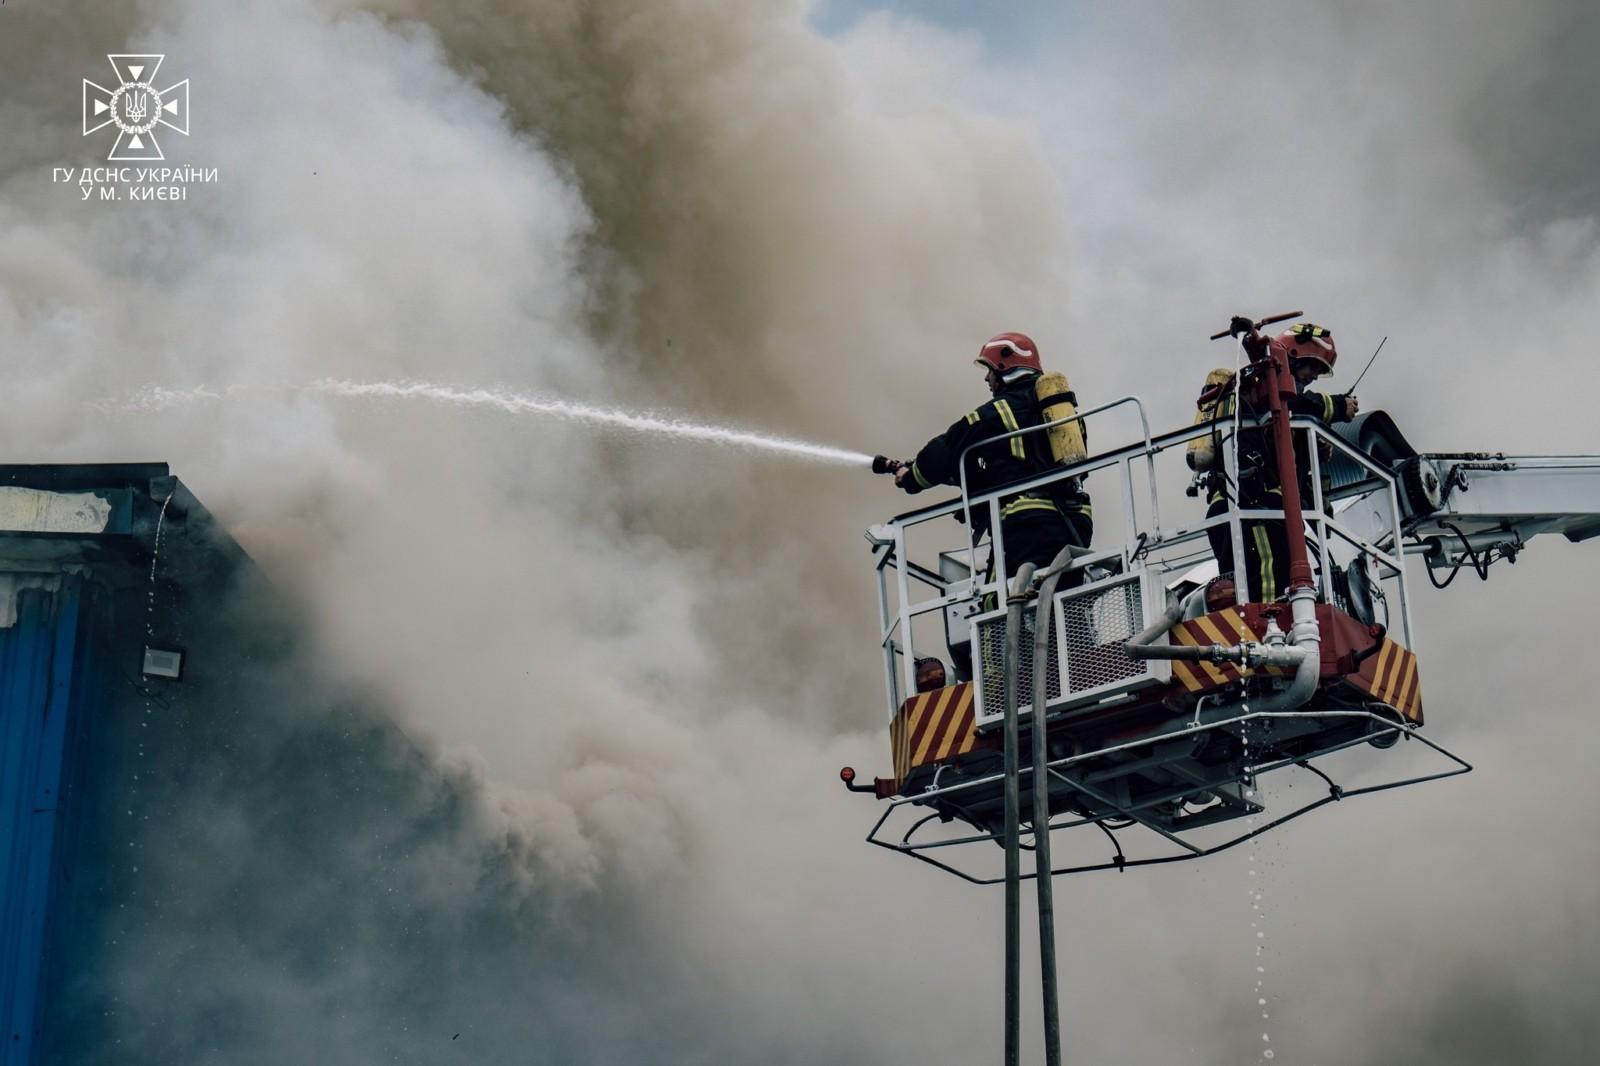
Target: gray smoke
[
  {"x": 655, "y": 658},
  {"x": 1424, "y": 172},
  {"x": 648, "y": 654}
]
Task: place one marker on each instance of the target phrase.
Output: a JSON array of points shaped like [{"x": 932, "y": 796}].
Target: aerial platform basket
[
  {"x": 1167, "y": 759},
  {"x": 1179, "y": 762}
]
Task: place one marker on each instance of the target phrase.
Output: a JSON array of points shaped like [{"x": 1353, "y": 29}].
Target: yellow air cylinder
[
  {"x": 1068, "y": 442},
  {"x": 1202, "y": 450}
]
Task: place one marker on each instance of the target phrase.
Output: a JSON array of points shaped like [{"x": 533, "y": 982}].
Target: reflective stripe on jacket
[{"x": 993, "y": 462}]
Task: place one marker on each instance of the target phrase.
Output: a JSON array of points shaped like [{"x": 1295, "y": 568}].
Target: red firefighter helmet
[
  {"x": 1009, "y": 351},
  {"x": 1308, "y": 342}
]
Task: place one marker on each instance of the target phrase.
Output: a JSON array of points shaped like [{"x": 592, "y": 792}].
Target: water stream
[
  {"x": 156, "y": 398},
  {"x": 1258, "y": 921}
]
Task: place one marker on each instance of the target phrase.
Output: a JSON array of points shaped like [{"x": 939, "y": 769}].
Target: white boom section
[{"x": 1492, "y": 505}]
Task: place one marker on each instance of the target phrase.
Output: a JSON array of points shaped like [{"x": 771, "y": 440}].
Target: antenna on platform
[{"x": 1351, "y": 390}]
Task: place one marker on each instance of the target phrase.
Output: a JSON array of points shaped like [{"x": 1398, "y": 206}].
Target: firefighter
[
  {"x": 1311, "y": 355},
  {"x": 1035, "y": 525}
]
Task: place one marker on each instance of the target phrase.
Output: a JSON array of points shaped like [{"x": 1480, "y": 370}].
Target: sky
[{"x": 633, "y": 668}]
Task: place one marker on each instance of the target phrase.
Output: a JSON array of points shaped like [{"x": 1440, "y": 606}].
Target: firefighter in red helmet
[
  {"x": 1311, "y": 354},
  {"x": 1035, "y": 525}
]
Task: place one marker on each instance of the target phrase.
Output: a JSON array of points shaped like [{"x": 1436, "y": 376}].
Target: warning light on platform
[{"x": 848, "y": 774}]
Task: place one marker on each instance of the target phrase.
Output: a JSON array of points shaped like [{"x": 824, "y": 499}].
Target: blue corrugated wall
[{"x": 39, "y": 691}]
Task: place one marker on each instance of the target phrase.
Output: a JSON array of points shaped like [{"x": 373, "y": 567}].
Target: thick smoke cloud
[
  {"x": 652, "y": 703},
  {"x": 660, "y": 656},
  {"x": 1404, "y": 171},
  {"x": 782, "y": 223}
]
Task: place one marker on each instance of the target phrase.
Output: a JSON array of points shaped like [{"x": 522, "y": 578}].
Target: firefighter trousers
[{"x": 1266, "y": 554}]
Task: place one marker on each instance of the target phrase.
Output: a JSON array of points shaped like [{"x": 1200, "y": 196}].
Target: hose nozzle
[{"x": 882, "y": 464}]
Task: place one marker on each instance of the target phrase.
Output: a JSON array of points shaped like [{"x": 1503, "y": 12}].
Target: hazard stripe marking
[
  {"x": 1187, "y": 676},
  {"x": 951, "y": 735},
  {"x": 1226, "y": 627},
  {"x": 1403, "y": 684},
  {"x": 896, "y": 733},
  {"x": 1233, "y": 618},
  {"x": 1408, "y": 692},
  {"x": 1397, "y": 663},
  {"x": 905, "y": 745},
  {"x": 1383, "y": 662},
  {"x": 1208, "y": 669},
  {"x": 919, "y": 716},
  {"x": 929, "y": 726},
  {"x": 1209, "y": 628},
  {"x": 1398, "y": 677},
  {"x": 1231, "y": 670},
  {"x": 1388, "y": 666}
]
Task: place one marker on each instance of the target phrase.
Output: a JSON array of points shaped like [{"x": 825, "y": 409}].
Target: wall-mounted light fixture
[{"x": 162, "y": 662}]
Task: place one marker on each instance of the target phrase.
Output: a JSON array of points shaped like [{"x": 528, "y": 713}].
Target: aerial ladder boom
[
  {"x": 1473, "y": 508},
  {"x": 1492, "y": 505}
]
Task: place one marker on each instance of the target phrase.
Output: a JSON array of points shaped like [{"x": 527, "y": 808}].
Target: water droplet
[
  {"x": 1261, "y": 969},
  {"x": 1265, "y": 1037},
  {"x": 1259, "y": 935},
  {"x": 1267, "y": 1054},
  {"x": 1261, "y": 1002}
]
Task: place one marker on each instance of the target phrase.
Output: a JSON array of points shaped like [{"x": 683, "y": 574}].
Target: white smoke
[
  {"x": 646, "y": 662},
  {"x": 637, "y": 658}
]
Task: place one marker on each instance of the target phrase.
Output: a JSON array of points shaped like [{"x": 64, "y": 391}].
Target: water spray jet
[{"x": 156, "y": 398}]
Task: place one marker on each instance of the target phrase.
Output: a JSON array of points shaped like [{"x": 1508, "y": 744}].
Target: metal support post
[
  {"x": 1043, "y": 880},
  {"x": 1014, "y": 602}
]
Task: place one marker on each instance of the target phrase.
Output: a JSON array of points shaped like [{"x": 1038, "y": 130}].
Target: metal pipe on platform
[
  {"x": 1292, "y": 656},
  {"x": 1246, "y": 654},
  {"x": 1146, "y": 639},
  {"x": 1018, "y": 596},
  {"x": 1041, "y": 808},
  {"x": 1305, "y": 637}
]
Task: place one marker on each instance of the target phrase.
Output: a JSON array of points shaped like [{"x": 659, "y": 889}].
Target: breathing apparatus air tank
[
  {"x": 1068, "y": 443},
  {"x": 1202, "y": 451}
]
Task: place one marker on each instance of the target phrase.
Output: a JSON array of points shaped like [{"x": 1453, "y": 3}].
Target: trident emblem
[{"x": 136, "y": 107}]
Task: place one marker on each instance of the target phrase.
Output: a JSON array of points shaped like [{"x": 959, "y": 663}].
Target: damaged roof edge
[
  {"x": 80, "y": 477},
  {"x": 56, "y": 513}
]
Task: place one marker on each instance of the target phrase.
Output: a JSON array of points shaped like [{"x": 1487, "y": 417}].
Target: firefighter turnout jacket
[
  {"x": 1265, "y": 567},
  {"x": 1258, "y": 469},
  {"x": 1002, "y": 462}
]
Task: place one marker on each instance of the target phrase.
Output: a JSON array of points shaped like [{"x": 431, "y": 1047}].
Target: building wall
[{"x": 47, "y": 691}]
